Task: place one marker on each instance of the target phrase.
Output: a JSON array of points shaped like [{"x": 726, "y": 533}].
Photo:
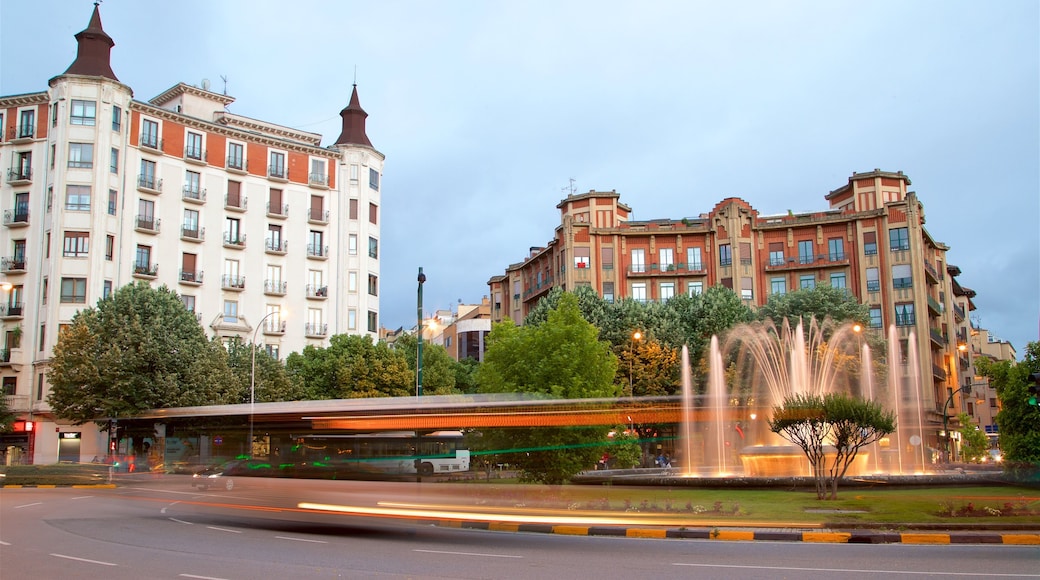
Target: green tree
[
  {"x": 801, "y": 419},
  {"x": 466, "y": 375},
  {"x": 591, "y": 305},
  {"x": 560, "y": 358},
  {"x": 439, "y": 369},
  {"x": 624, "y": 450},
  {"x": 6, "y": 416},
  {"x": 820, "y": 302},
  {"x": 974, "y": 443},
  {"x": 855, "y": 423},
  {"x": 138, "y": 349},
  {"x": 272, "y": 381},
  {"x": 1018, "y": 422},
  {"x": 351, "y": 367}
]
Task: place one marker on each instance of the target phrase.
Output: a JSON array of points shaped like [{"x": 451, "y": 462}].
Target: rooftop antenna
[
  {"x": 224, "y": 78},
  {"x": 355, "y": 75},
  {"x": 570, "y": 187}
]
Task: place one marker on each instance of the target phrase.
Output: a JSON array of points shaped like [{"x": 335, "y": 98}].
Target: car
[{"x": 221, "y": 475}]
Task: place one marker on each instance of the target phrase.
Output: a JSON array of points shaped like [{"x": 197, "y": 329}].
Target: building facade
[
  {"x": 871, "y": 241},
  {"x": 265, "y": 234}
]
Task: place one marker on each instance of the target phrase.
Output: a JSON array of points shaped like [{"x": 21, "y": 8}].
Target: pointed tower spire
[
  {"x": 354, "y": 116},
  {"x": 94, "y": 52}
]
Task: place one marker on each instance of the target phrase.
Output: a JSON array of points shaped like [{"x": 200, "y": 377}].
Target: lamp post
[
  {"x": 946, "y": 417},
  {"x": 252, "y": 378},
  {"x": 631, "y": 347},
  {"x": 418, "y": 362}
]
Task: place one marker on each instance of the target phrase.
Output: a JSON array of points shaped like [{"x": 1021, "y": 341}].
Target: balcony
[
  {"x": 17, "y": 403},
  {"x": 958, "y": 313},
  {"x": 19, "y": 175},
  {"x": 147, "y": 224},
  {"x": 233, "y": 283},
  {"x": 274, "y": 327},
  {"x": 278, "y": 173},
  {"x": 24, "y": 132},
  {"x": 237, "y": 203},
  {"x": 930, "y": 273},
  {"x": 151, "y": 141},
  {"x": 696, "y": 268},
  {"x": 934, "y": 307},
  {"x": 317, "y": 292},
  {"x": 316, "y": 329},
  {"x": 317, "y": 252},
  {"x": 278, "y": 211},
  {"x": 938, "y": 372},
  {"x": 5, "y": 356},
  {"x": 193, "y": 235},
  {"x": 237, "y": 165},
  {"x": 11, "y": 310},
  {"x": 279, "y": 247},
  {"x": 235, "y": 241},
  {"x": 191, "y": 277},
  {"x": 275, "y": 287},
  {"x": 937, "y": 337},
  {"x": 195, "y": 155},
  {"x": 193, "y": 194},
  {"x": 146, "y": 271},
  {"x": 319, "y": 180},
  {"x": 13, "y": 265},
  {"x": 317, "y": 216},
  {"x": 149, "y": 184},
  {"x": 18, "y": 218}
]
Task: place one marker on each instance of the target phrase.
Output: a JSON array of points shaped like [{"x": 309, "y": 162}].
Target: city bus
[{"x": 388, "y": 453}]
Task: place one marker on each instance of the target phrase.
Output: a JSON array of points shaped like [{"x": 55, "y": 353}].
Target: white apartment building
[{"x": 247, "y": 220}]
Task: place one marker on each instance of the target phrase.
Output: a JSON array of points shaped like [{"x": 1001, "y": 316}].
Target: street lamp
[
  {"x": 252, "y": 377},
  {"x": 946, "y": 430},
  {"x": 631, "y": 345},
  {"x": 418, "y": 362}
]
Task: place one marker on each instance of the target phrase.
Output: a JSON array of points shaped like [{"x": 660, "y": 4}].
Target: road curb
[{"x": 730, "y": 535}]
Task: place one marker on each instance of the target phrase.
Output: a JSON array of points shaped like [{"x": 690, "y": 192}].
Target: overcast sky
[{"x": 486, "y": 110}]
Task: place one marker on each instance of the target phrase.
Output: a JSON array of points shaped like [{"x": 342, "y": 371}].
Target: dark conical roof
[
  {"x": 354, "y": 116},
  {"x": 94, "y": 52}
]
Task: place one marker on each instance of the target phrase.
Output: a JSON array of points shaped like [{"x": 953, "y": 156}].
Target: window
[
  {"x": 836, "y": 249},
  {"x": 694, "y": 288},
  {"x": 725, "y": 255},
  {"x": 805, "y": 252},
  {"x": 236, "y": 157},
  {"x": 776, "y": 254},
  {"x": 353, "y": 209},
  {"x": 667, "y": 258},
  {"x": 147, "y": 177},
  {"x": 807, "y": 282},
  {"x": 113, "y": 201},
  {"x": 189, "y": 302},
  {"x": 352, "y": 282},
  {"x": 373, "y": 179},
  {"x": 607, "y": 258},
  {"x": 143, "y": 260},
  {"x": 77, "y": 244},
  {"x": 274, "y": 238},
  {"x": 873, "y": 282},
  {"x": 373, "y": 248},
  {"x": 373, "y": 213},
  {"x": 318, "y": 213},
  {"x": 146, "y": 214},
  {"x": 54, "y": 115},
  {"x": 639, "y": 292},
  {"x": 905, "y": 314},
  {"x": 316, "y": 244},
  {"x": 902, "y": 277},
  {"x": 746, "y": 286},
  {"x": 26, "y": 124},
  {"x": 22, "y": 166},
  {"x": 318, "y": 175},
  {"x": 353, "y": 172},
  {"x": 149, "y": 134},
  {"x": 190, "y": 227},
  {"x": 10, "y": 386},
  {"x": 899, "y": 239},
  {"x": 351, "y": 319},
  {"x": 581, "y": 257},
  {"x": 73, "y": 290},
  {"x": 113, "y": 161},
  {"x": 667, "y": 291},
  {"x": 21, "y": 207},
  {"x": 83, "y": 112},
  {"x": 231, "y": 311},
  {"x": 193, "y": 146},
  {"x": 875, "y": 317},
  {"x": 106, "y": 290},
  {"x": 639, "y": 260},
  {"x": 110, "y": 247},
  {"x": 373, "y": 285},
  {"x": 372, "y": 320},
  {"x": 277, "y": 168},
  {"x": 693, "y": 259},
  {"x": 870, "y": 243},
  {"x": 272, "y": 350},
  {"x": 233, "y": 232},
  {"x": 745, "y": 253},
  {"x": 608, "y": 292},
  {"x": 778, "y": 285},
  {"x": 43, "y": 292},
  {"x": 81, "y": 155},
  {"x": 838, "y": 280},
  {"x": 117, "y": 119},
  {"x": 77, "y": 198}
]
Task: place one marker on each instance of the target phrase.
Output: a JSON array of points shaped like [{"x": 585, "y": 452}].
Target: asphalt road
[{"x": 165, "y": 529}]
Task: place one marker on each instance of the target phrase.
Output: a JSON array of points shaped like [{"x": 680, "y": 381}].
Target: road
[{"x": 164, "y": 529}]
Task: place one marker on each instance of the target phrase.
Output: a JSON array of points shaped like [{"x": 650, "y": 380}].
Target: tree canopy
[
  {"x": 820, "y": 302},
  {"x": 351, "y": 367},
  {"x": 1018, "y": 422},
  {"x": 138, "y": 349},
  {"x": 273, "y": 383},
  {"x": 439, "y": 369}
]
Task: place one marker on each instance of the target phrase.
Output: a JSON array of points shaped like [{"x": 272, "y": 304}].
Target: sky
[{"x": 489, "y": 113}]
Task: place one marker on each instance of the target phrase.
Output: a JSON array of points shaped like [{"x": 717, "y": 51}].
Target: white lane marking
[
  {"x": 162, "y": 511},
  {"x": 200, "y": 577},
  {"x": 467, "y": 554},
  {"x": 3, "y": 543},
  {"x": 84, "y": 560},
  {"x": 18, "y": 507},
  {"x": 854, "y": 570},
  {"x": 302, "y": 540},
  {"x": 224, "y": 530},
  {"x": 83, "y": 497},
  {"x": 182, "y": 522}
]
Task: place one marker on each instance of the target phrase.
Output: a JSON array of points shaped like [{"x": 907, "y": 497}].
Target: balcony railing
[
  {"x": 146, "y": 270},
  {"x": 236, "y": 202},
  {"x": 317, "y": 292},
  {"x": 275, "y": 287},
  {"x": 277, "y": 172},
  {"x": 19, "y": 175},
  {"x": 193, "y": 235},
  {"x": 151, "y": 141},
  {"x": 5, "y": 356},
  {"x": 234, "y": 240},
  {"x": 318, "y": 179},
  {"x": 149, "y": 183},
  {"x": 13, "y": 264},
  {"x": 934, "y": 306},
  {"x": 277, "y": 210},
  {"x": 905, "y": 320},
  {"x": 274, "y": 327},
  {"x": 317, "y": 251},
  {"x": 17, "y": 218},
  {"x": 237, "y": 163},
  {"x": 316, "y": 329},
  {"x": 195, "y": 154},
  {"x": 192, "y": 277},
  {"x": 937, "y": 336},
  {"x": 11, "y": 310},
  {"x": 317, "y": 216},
  {"x": 229, "y": 282},
  {"x": 24, "y": 131},
  {"x": 194, "y": 194},
  {"x": 958, "y": 313},
  {"x": 147, "y": 224},
  {"x": 276, "y": 246}
]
